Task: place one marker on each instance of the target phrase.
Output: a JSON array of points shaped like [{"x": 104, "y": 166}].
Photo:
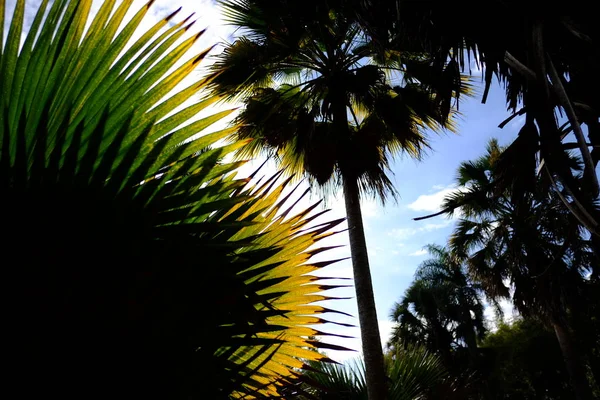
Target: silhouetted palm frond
[{"x": 139, "y": 265}]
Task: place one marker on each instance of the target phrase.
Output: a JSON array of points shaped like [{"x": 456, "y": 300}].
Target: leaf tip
[
  {"x": 200, "y": 34},
  {"x": 201, "y": 56},
  {"x": 174, "y": 13},
  {"x": 188, "y": 26},
  {"x": 188, "y": 18}
]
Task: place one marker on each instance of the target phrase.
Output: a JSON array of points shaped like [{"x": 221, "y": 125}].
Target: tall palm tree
[
  {"x": 304, "y": 69},
  {"x": 442, "y": 307},
  {"x": 135, "y": 264},
  {"x": 543, "y": 56},
  {"x": 523, "y": 237}
]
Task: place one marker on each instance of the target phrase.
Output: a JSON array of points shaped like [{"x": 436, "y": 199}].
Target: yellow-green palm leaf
[{"x": 138, "y": 265}]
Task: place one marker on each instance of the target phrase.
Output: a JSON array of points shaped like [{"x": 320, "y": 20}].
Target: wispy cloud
[
  {"x": 432, "y": 202},
  {"x": 418, "y": 253},
  {"x": 404, "y": 233},
  {"x": 370, "y": 208}
]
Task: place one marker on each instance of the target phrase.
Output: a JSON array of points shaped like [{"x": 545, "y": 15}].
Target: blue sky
[{"x": 394, "y": 240}]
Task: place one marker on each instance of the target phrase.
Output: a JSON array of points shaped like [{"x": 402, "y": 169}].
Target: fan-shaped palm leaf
[
  {"x": 140, "y": 267},
  {"x": 412, "y": 373}
]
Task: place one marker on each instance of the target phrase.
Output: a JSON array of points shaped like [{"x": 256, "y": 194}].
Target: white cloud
[
  {"x": 370, "y": 208},
  {"x": 418, "y": 253},
  {"x": 433, "y": 227},
  {"x": 385, "y": 330},
  {"x": 432, "y": 202},
  {"x": 404, "y": 233}
]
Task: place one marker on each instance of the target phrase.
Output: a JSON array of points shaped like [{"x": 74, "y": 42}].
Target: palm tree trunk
[
  {"x": 365, "y": 299},
  {"x": 573, "y": 362},
  {"x": 367, "y": 314},
  {"x": 471, "y": 339},
  {"x": 471, "y": 342}
]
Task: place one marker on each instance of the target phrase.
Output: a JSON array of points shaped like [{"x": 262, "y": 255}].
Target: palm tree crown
[
  {"x": 299, "y": 66},
  {"x": 525, "y": 237}
]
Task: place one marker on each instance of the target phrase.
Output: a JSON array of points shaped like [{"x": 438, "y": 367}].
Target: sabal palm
[
  {"x": 138, "y": 265},
  {"x": 527, "y": 240},
  {"x": 303, "y": 69}
]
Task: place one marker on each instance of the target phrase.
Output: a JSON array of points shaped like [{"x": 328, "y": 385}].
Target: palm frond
[
  {"x": 412, "y": 373},
  {"x": 153, "y": 272},
  {"x": 242, "y": 67}
]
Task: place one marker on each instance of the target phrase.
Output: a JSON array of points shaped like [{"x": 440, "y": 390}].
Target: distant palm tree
[
  {"x": 442, "y": 308},
  {"x": 523, "y": 237},
  {"x": 465, "y": 302},
  {"x": 420, "y": 319},
  {"x": 303, "y": 70}
]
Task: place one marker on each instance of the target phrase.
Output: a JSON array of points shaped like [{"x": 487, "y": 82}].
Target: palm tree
[
  {"x": 420, "y": 319},
  {"x": 412, "y": 370},
  {"x": 442, "y": 308},
  {"x": 137, "y": 265},
  {"x": 545, "y": 60},
  {"x": 303, "y": 70},
  {"x": 525, "y": 239},
  {"x": 464, "y": 303}
]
